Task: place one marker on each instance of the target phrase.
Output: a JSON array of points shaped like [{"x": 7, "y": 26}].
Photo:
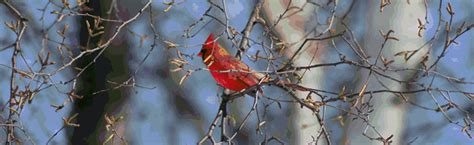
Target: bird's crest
[{"x": 210, "y": 43}]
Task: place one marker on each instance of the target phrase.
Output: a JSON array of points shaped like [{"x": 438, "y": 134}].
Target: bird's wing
[
  {"x": 246, "y": 74},
  {"x": 239, "y": 69}
]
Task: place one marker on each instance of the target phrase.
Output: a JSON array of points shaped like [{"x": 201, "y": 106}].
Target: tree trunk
[
  {"x": 389, "y": 111},
  {"x": 109, "y": 66},
  {"x": 292, "y": 30}
]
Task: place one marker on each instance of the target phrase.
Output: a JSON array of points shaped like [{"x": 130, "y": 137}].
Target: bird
[{"x": 228, "y": 71}]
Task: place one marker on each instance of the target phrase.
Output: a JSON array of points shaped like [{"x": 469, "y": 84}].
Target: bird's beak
[{"x": 200, "y": 54}]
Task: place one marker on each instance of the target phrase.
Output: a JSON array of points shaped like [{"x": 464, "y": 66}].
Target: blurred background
[{"x": 102, "y": 71}]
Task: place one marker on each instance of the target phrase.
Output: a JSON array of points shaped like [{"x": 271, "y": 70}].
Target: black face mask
[{"x": 203, "y": 53}]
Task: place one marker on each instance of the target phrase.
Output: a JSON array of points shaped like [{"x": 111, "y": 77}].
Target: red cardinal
[{"x": 228, "y": 72}]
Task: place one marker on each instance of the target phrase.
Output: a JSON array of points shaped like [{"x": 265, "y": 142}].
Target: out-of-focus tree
[
  {"x": 100, "y": 107},
  {"x": 293, "y": 22},
  {"x": 388, "y": 110}
]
